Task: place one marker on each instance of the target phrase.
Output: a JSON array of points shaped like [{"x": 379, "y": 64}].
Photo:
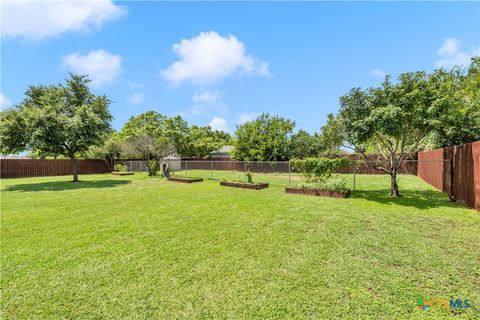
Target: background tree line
[{"x": 418, "y": 111}]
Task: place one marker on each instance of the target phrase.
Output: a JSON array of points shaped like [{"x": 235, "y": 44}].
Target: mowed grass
[{"x": 139, "y": 247}]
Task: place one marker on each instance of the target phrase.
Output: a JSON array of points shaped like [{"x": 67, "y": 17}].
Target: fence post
[
  {"x": 186, "y": 168},
  {"x": 289, "y": 174},
  {"x": 354, "y": 173},
  {"x": 451, "y": 196},
  {"x": 211, "y": 169},
  {"x": 245, "y": 169}
]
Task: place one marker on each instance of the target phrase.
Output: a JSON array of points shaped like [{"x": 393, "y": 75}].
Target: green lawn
[{"x": 140, "y": 247}]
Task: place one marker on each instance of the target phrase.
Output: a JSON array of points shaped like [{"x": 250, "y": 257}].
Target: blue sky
[{"x": 224, "y": 63}]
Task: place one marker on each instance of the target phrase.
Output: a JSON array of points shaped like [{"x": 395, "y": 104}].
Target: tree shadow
[
  {"x": 65, "y": 185},
  {"x": 420, "y": 199}
]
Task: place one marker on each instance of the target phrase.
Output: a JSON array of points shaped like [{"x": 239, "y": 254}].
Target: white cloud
[
  {"x": 379, "y": 73},
  {"x": 136, "y": 98},
  {"x": 4, "y": 101},
  {"x": 100, "y": 65},
  {"x": 206, "y": 102},
  {"x": 208, "y": 97},
  {"x": 218, "y": 123},
  {"x": 38, "y": 20},
  {"x": 450, "y": 46},
  {"x": 451, "y": 54},
  {"x": 209, "y": 57},
  {"x": 245, "y": 117},
  {"x": 134, "y": 85}
]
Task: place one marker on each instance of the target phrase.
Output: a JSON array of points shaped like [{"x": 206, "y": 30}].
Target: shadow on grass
[
  {"x": 420, "y": 199},
  {"x": 65, "y": 185}
]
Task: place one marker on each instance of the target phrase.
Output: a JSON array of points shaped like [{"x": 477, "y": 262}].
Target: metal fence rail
[{"x": 283, "y": 174}]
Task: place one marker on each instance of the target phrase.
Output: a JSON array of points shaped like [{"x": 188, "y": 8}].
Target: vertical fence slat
[
  {"x": 458, "y": 174},
  {"x": 18, "y": 168}
]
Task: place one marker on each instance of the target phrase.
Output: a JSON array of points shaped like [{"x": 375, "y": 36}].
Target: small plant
[
  {"x": 152, "y": 166},
  {"x": 331, "y": 183},
  {"x": 120, "y": 167},
  {"x": 249, "y": 177}
]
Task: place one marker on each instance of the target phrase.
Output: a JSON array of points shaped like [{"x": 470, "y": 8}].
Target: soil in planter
[
  {"x": 322, "y": 193},
  {"x": 118, "y": 173},
  {"x": 294, "y": 190},
  {"x": 184, "y": 180},
  {"x": 244, "y": 185}
]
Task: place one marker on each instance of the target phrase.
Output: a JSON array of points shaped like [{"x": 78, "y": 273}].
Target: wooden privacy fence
[
  {"x": 459, "y": 175},
  {"x": 16, "y": 168}
]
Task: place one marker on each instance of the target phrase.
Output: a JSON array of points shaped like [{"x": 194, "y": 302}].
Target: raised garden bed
[
  {"x": 245, "y": 185},
  {"x": 184, "y": 180},
  {"x": 118, "y": 173},
  {"x": 321, "y": 193}
]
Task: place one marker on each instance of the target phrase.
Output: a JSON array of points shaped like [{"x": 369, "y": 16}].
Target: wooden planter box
[
  {"x": 118, "y": 173},
  {"x": 184, "y": 180},
  {"x": 245, "y": 185},
  {"x": 321, "y": 193}
]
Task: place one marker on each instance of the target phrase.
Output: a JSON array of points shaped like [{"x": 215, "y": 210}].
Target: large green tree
[
  {"x": 202, "y": 140},
  {"x": 195, "y": 141},
  {"x": 57, "y": 120},
  {"x": 150, "y": 122},
  {"x": 150, "y": 136},
  {"x": 456, "y": 94},
  {"x": 393, "y": 119},
  {"x": 148, "y": 147},
  {"x": 305, "y": 145},
  {"x": 266, "y": 138}
]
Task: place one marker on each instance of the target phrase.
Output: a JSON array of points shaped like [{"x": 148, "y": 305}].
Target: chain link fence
[{"x": 361, "y": 175}]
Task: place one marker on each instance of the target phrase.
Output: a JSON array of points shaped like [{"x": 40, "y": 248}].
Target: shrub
[
  {"x": 120, "y": 167},
  {"x": 152, "y": 166},
  {"x": 333, "y": 183},
  {"x": 249, "y": 177}
]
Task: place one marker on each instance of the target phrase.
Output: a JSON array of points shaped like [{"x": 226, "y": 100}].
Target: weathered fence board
[
  {"x": 16, "y": 168},
  {"x": 459, "y": 175}
]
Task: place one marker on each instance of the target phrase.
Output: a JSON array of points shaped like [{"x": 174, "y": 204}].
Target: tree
[
  {"x": 393, "y": 119},
  {"x": 149, "y": 148},
  {"x": 177, "y": 131},
  {"x": 57, "y": 120},
  {"x": 304, "y": 145},
  {"x": 223, "y": 136},
  {"x": 331, "y": 137},
  {"x": 456, "y": 95},
  {"x": 266, "y": 138},
  {"x": 13, "y": 134},
  {"x": 202, "y": 141},
  {"x": 150, "y": 122},
  {"x": 150, "y": 136},
  {"x": 111, "y": 148}
]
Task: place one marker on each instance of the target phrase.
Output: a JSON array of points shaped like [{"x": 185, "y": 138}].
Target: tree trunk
[
  {"x": 394, "y": 185},
  {"x": 75, "y": 169}
]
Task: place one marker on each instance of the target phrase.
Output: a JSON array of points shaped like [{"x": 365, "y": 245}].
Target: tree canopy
[
  {"x": 457, "y": 101},
  {"x": 266, "y": 138},
  {"x": 398, "y": 119},
  {"x": 191, "y": 142},
  {"x": 304, "y": 145},
  {"x": 57, "y": 120}
]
